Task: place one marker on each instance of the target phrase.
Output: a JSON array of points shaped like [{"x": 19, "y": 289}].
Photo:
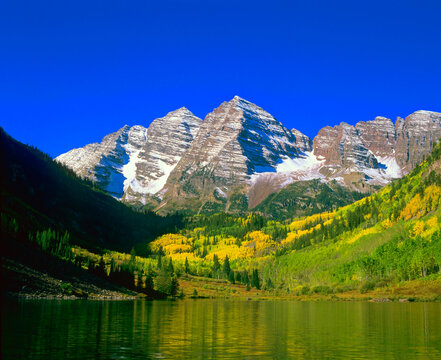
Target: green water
[{"x": 221, "y": 329}]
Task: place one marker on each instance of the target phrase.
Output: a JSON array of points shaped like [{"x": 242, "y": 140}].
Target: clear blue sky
[{"x": 74, "y": 71}]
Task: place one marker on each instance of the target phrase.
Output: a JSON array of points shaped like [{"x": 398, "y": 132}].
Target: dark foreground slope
[{"x": 30, "y": 272}]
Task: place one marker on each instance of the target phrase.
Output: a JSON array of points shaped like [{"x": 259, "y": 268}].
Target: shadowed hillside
[{"x": 40, "y": 193}]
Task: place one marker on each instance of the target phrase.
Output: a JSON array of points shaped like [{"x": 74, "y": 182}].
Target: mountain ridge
[{"x": 185, "y": 163}]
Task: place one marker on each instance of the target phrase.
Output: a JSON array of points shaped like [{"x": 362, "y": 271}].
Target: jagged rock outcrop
[
  {"x": 377, "y": 150},
  {"x": 303, "y": 142},
  {"x": 378, "y": 135}
]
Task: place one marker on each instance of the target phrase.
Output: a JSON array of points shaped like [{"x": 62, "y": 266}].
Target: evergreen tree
[
  {"x": 174, "y": 285},
  {"x": 231, "y": 277},
  {"x": 238, "y": 277},
  {"x": 170, "y": 267},
  {"x": 226, "y": 267},
  {"x": 101, "y": 267},
  {"x": 132, "y": 254},
  {"x": 255, "y": 282},
  {"x": 187, "y": 266},
  {"x": 216, "y": 265},
  {"x": 245, "y": 278},
  {"x": 166, "y": 283},
  {"x": 269, "y": 284},
  {"x": 159, "y": 261},
  {"x": 112, "y": 265}
]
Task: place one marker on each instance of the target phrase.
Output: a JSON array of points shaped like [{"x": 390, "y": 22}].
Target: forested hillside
[{"x": 304, "y": 198}]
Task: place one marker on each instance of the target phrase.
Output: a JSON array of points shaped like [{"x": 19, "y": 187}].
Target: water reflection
[{"x": 219, "y": 329}]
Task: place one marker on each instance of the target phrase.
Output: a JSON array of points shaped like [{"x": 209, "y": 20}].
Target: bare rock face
[
  {"x": 303, "y": 142},
  {"x": 342, "y": 148},
  {"x": 377, "y": 150},
  {"x": 378, "y": 135},
  {"x": 416, "y": 135}
]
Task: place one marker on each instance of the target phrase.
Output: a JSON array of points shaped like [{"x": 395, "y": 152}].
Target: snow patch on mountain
[
  {"x": 154, "y": 186},
  {"x": 220, "y": 193},
  {"x": 305, "y": 167},
  {"x": 306, "y": 163},
  {"x": 390, "y": 166}
]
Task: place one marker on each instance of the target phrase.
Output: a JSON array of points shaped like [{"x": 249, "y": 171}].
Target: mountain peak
[
  {"x": 426, "y": 112},
  {"x": 382, "y": 119},
  {"x": 241, "y": 101},
  {"x": 181, "y": 111},
  {"x": 238, "y": 98}
]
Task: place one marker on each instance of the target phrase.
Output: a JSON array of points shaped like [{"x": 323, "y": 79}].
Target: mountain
[
  {"x": 103, "y": 162},
  {"x": 378, "y": 151},
  {"x": 240, "y": 154}
]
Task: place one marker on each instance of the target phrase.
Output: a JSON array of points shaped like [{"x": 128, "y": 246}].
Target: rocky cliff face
[
  {"x": 303, "y": 142},
  {"x": 378, "y": 150},
  {"x": 379, "y": 135},
  {"x": 240, "y": 154},
  {"x": 416, "y": 135},
  {"x": 342, "y": 148}
]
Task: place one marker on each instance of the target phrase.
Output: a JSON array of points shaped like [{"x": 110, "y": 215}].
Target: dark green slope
[
  {"x": 40, "y": 193},
  {"x": 306, "y": 198}
]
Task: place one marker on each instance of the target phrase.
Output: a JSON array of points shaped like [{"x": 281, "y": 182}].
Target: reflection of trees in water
[{"x": 221, "y": 329}]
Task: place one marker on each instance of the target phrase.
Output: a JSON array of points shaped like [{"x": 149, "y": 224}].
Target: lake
[{"x": 219, "y": 329}]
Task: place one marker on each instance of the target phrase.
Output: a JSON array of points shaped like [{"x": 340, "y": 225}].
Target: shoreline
[{"x": 267, "y": 297}]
